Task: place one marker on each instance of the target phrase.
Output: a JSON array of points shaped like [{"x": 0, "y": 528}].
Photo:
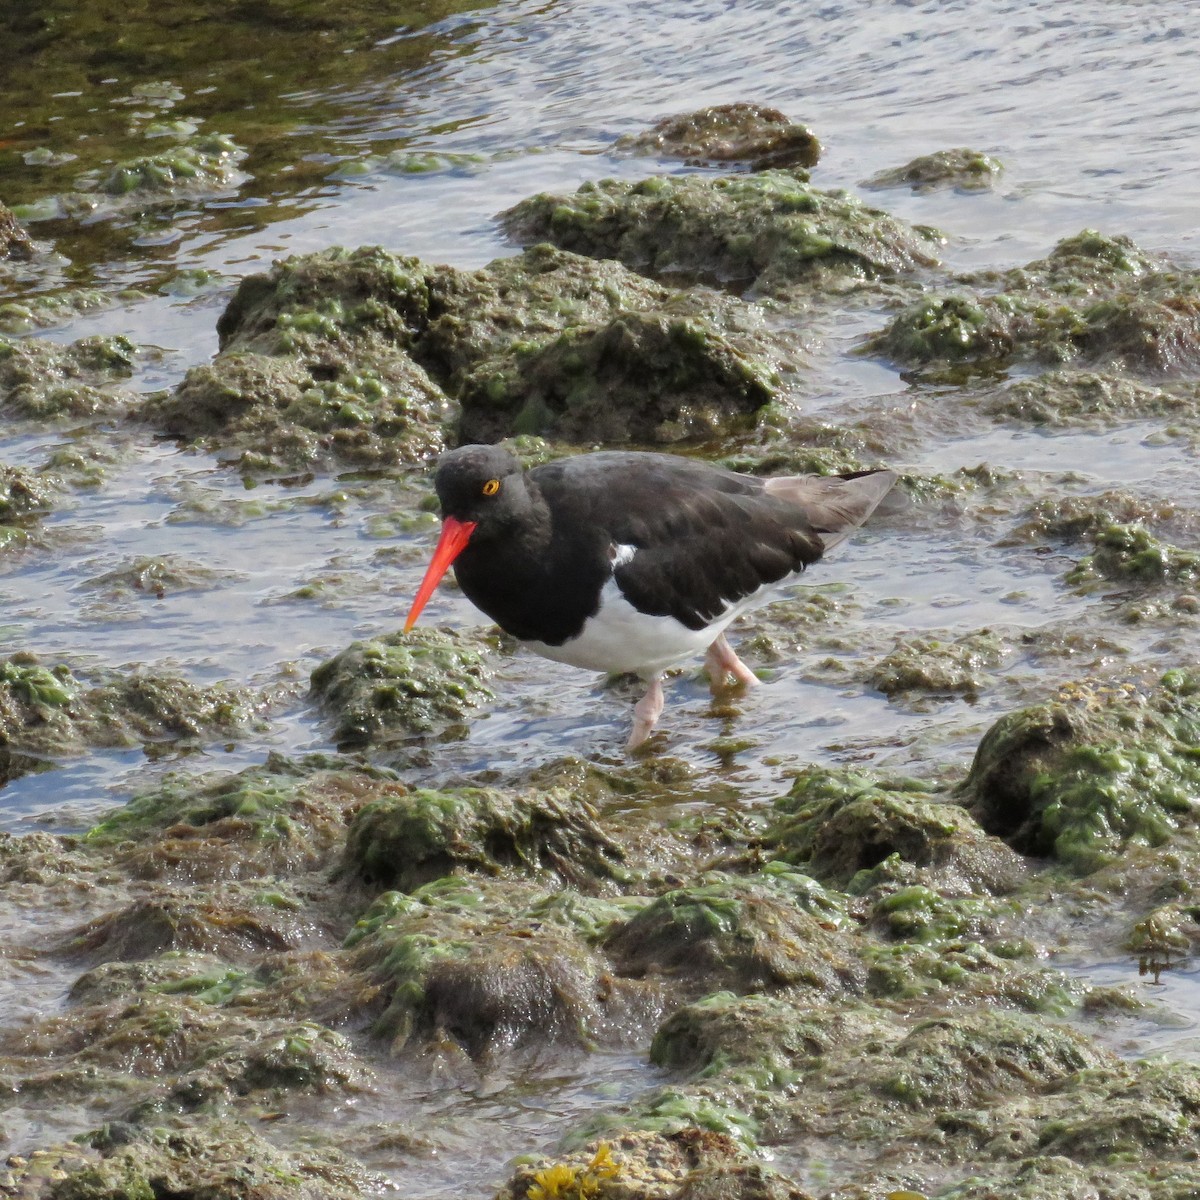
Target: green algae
[
  {"x": 408, "y": 839},
  {"x": 727, "y": 931},
  {"x": 40, "y": 380},
  {"x": 961, "y": 168},
  {"x": 403, "y": 685},
  {"x": 851, "y": 829},
  {"x": 754, "y": 134},
  {"x": 1085, "y": 776},
  {"x": 930, "y": 666},
  {"x": 1094, "y": 300},
  {"x": 770, "y": 230},
  {"x": 1132, "y": 554},
  {"x": 47, "y": 711}
]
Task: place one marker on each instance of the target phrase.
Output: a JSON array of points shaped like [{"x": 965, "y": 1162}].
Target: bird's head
[{"x": 481, "y": 490}]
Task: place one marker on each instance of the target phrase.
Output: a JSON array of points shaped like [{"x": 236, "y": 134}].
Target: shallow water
[{"x": 1091, "y": 107}]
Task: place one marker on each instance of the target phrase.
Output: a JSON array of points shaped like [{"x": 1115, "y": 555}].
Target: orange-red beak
[{"x": 455, "y": 536}]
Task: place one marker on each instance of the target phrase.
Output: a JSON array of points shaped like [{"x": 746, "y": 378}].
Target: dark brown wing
[{"x": 704, "y": 538}]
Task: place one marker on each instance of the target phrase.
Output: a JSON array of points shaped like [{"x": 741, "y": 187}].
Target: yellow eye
[{"x": 491, "y": 487}]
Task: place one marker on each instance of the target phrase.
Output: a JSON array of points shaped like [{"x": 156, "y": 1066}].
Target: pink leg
[
  {"x": 646, "y": 712},
  {"x": 721, "y": 661}
]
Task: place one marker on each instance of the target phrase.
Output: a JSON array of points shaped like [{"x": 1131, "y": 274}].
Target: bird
[{"x": 632, "y": 562}]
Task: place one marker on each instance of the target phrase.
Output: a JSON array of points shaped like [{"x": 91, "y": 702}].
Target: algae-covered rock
[
  {"x": 14, "y": 241},
  {"x": 683, "y": 1163},
  {"x": 25, "y": 496},
  {"x": 1132, "y": 554},
  {"x": 747, "y": 934},
  {"x": 48, "y": 711},
  {"x": 403, "y": 685},
  {"x": 770, "y": 230},
  {"x": 1071, "y": 398},
  {"x": 41, "y": 379},
  {"x": 206, "y": 1158},
  {"x": 1094, "y": 300},
  {"x": 837, "y": 824},
  {"x": 491, "y": 966},
  {"x": 315, "y": 367},
  {"x": 962, "y": 1060},
  {"x": 406, "y": 840},
  {"x": 755, "y": 134},
  {"x": 280, "y": 818},
  {"x": 657, "y": 377},
  {"x": 554, "y": 343},
  {"x": 930, "y": 666},
  {"x": 1082, "y": 776},
  {"x": 235, "y": 923},
  {"x": 967, "y": 170}
]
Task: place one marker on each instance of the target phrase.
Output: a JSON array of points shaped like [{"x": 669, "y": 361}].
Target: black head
[{"x": 479, "y": 484}]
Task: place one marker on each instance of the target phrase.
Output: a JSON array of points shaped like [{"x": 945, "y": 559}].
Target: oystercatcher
[{"x": 632, "y": 562}]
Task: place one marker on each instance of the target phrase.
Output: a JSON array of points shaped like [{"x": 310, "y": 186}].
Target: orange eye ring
[{"x": 491, "y": 487}]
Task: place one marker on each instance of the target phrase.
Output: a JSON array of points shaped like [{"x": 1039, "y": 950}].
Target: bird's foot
[
  {"x": 646, "y": 713},
  {"x": 721, "y": 663}
]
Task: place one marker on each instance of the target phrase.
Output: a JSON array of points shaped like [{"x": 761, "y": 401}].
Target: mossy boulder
[
  {"x": 314, "y": 369},
  {"x": 1081, "y": 777},
  {"x": 740, "y": 132},
  {"x": 586, "y": 350},
  {"x": 408, "y": 839},
  {"x": 747, "y": 934},
  {"x": 845, "y": 827},
  {"x": 403, "y": 685},
  {"x": 280, "y": 818},
  {"x": 961, "y": 168},
  {"x": 1094, "y": 300},
  {"x": 490, "y": 966},
  {"x": 769, "y": 231}
]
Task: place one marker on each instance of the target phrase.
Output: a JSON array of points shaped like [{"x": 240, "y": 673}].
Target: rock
[{"x": 740, "y": 132}]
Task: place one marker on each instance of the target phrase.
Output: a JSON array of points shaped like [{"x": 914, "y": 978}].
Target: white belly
[{"x": 620, "y": 639}]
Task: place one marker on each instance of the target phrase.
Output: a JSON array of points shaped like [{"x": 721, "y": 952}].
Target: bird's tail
[{"x": 836, "y": 505}]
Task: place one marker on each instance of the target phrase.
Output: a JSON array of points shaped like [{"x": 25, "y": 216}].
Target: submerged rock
[
  {"x": 768, "y": 231},
  {"x": 1132, "y": 554},
  {"x": 47, "y": 711},
  {"x": 41, "y": 379},
  {"x": 755, "y": 134},
  {"x": 967, "y": 170},
  {"x": 1083, "y": 776}
]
